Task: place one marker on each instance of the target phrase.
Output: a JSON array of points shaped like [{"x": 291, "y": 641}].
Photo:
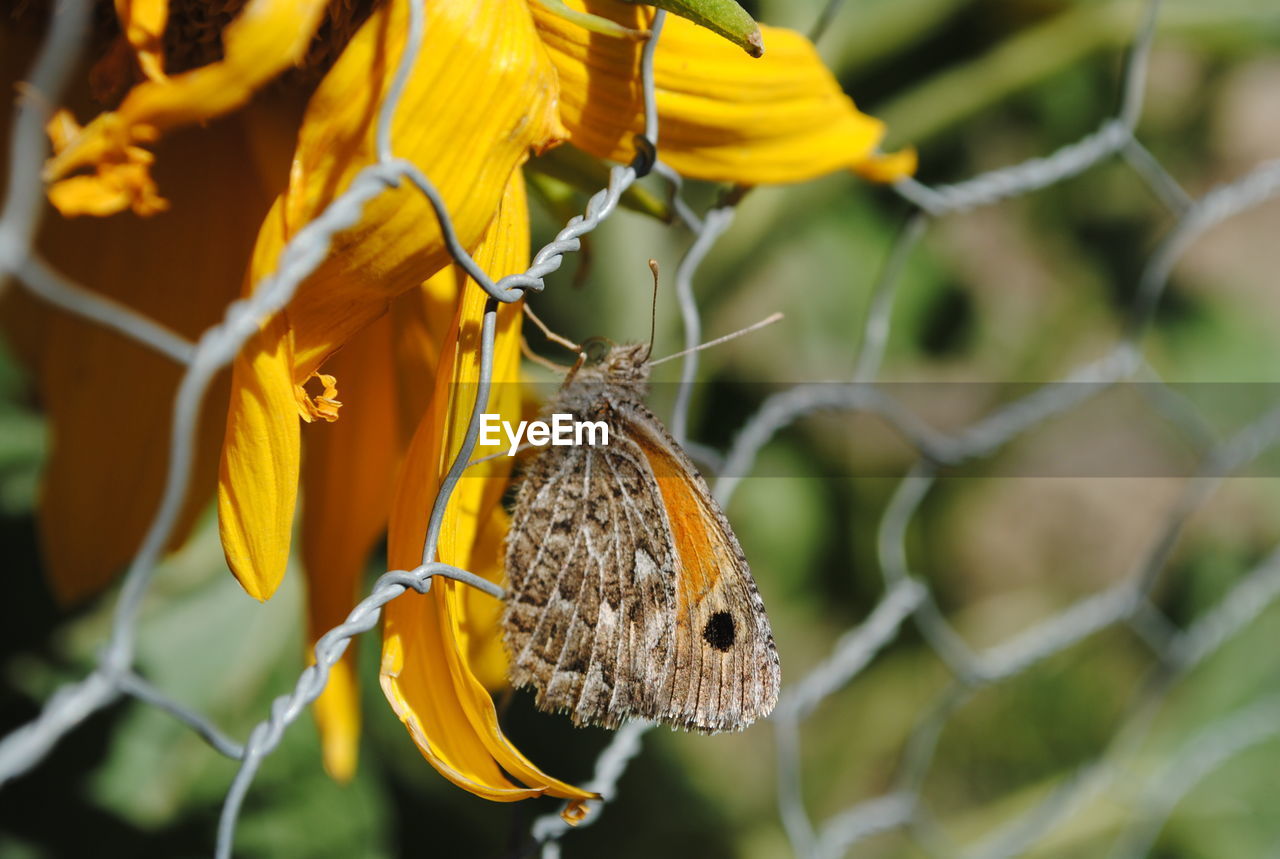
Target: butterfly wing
[
  {"x": 629, "y": 596},
  {"x": 591, "y": 596},
  {"x": 726, "y": 665}
]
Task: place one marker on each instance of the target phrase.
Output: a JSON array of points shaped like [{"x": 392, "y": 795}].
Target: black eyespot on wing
[{"x": 719, "y": 631}]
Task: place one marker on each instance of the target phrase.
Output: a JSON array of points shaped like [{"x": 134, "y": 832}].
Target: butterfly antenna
[
  {"x": 653, "y": 312},
  {"x": 768, "y": 320},
  {"x": 548, "y": 333}
]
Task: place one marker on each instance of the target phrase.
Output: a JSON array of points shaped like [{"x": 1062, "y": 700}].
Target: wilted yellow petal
[
  {"x": 143, "y": 23},
  {"x": 322, "y": 406},
  {"x": 426, "y": 673},
  {"x": 346, "y": 478},
  {"x": 113, "y": 188},
  {"x": 480, "y": 630},
  {"x": 347, "y": 475},
  {"x": 265, "y": 39},
  {"x": 482, "y": 76},
  {"x": 121, "y": 182},
  {"x": 723, "y": 115},
  {"x": 108, "y": 399}
]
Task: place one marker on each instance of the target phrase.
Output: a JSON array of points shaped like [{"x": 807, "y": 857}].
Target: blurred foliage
[{"x": 1016, "y": 293}]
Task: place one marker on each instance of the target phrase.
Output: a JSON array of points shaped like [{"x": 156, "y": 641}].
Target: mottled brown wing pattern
[
  {"x": 591, "y": 585},
  {"x": 629, "y": 596}
]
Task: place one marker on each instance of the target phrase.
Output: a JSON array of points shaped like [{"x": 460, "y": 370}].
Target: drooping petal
[
  {"x": 258, "y": 475},
  {"x": 426, "y": 672},
  {"x": 480, "y": 630},
  {"x": 482, "y": 76},
  {"x": 347, "y": 473},
  {"x": 347, "y": 476},
  {"x": 265, "y": 39},
  {"x": 723, "y": 116},
  {"x": 119, "y": 183},
  {"x": 108, "y": 399}
]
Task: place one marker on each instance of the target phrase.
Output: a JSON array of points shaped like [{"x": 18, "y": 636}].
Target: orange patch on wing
[{"x": 693, "y": 530}]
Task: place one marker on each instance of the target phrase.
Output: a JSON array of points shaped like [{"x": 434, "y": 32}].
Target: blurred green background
[{"x": 1009, "y": 294}]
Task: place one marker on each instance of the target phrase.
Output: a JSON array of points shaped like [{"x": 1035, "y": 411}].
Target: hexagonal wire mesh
[{"x": 906, "y": 597}]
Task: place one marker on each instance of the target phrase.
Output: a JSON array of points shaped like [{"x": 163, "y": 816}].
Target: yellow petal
[
  {"x": 421, "y": 320},
  {"x": 481, "y": 95},
  {"x": 265, "y": 39},
  {"x": 143, "y": 23},
  {"x": 480, "y": 630},
  {"x": 109, "y": 400},
  {"x": 482, "y": 77},
  {"x": 117, "y": 184},
  {"x": 888, "y": 167},
  {"x": 112, "y": 189},
  {"x": 347, "y": 474},
  {"x": 426, "y": 673},
  {"x": 723, "y": 116},
  {"x": 347, "y": 477},
  {"x": 337, "y": 713},
  {"x": 258, "y": 475}
]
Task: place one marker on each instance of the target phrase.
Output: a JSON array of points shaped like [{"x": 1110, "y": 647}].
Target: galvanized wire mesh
[{"x": 906, "y": 597}]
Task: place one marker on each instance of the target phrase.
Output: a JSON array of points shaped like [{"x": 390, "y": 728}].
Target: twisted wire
[
  {"x": 217, "y": 347},
  {"x": 330, "y": 647},
  {"x": 906, "y": 597}
]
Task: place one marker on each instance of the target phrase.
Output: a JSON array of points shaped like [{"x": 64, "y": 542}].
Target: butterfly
[{"x": 628, "y": 595}]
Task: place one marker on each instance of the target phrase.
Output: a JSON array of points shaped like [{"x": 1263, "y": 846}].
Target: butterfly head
[{"x": 615, "y": 363}]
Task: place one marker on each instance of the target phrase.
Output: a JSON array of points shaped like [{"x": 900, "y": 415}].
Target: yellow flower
[{"x": 386, "y": 313}]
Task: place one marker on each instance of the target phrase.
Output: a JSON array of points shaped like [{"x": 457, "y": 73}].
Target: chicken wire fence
[{"x": 906, "y": 597}]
